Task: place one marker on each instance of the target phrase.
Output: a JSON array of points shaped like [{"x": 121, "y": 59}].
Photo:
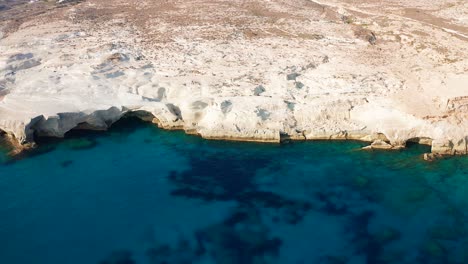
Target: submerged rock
[
  {"x": 447, "y": 232},
  {"x": 119, "y": 257},
  {"x": 434, "y": 249},
  {"x": 416, "y": 194},
  {"x": 335, "y": 260},
  {"x": 80, "y": 143},
  {"x": 361, "y": 181},
  {"x": 66, "y": 163},
  {"x": 386, "y": 235}
]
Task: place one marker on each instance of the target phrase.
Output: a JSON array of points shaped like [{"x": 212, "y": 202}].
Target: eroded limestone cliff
[{"x": 387, "y": 72}]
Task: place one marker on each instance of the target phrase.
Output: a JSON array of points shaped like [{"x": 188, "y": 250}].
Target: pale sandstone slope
[{"x": 244, "y": 70}]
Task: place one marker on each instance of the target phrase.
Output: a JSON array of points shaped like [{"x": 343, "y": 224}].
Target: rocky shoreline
[
  {"x": 103, "y": 119},
  {"x": 233, "y": 70}
]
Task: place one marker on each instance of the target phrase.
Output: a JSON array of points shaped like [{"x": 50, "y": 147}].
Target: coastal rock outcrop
[{"x": 258, "y": 72}]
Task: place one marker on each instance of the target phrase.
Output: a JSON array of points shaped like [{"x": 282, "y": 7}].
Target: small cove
[{"x": 139, "y": 194}]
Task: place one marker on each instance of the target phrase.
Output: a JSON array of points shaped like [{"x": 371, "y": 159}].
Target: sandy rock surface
[{"x": 386, "y": 72}]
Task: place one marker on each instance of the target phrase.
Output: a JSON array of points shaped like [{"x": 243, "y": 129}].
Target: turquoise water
[{"x": 137, "y": 194}]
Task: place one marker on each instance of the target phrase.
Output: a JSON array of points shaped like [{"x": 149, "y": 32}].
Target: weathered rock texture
[{"x": 386, "y": 72}]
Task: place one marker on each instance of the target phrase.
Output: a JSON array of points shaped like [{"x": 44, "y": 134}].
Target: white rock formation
[{"x": 241, "y": 70}]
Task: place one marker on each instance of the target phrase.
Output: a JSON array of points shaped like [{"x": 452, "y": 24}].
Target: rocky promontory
[{"x": 388, "y": 73}]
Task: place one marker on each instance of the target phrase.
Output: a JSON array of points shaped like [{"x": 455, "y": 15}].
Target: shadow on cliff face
[
  {"x": 5, "y": 148},
  {"x": 79, "y": 139},
  {"x": 123, "y": 127}
]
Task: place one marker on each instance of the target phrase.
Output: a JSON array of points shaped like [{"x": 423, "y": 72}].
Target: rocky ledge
[{"x": 387, "y": 73}]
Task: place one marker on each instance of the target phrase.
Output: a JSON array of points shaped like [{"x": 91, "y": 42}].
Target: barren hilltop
[{"x": 387, "y": 72}]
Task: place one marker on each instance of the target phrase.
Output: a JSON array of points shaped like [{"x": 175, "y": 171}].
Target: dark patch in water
[
  {"x": 119, "y": 257},
  {"x": 372, "y": 245},
  {"x": 80, "y": 143},
  {"x": 182, "y": 253},
  {"x": 224, "y": 177},
  {"x": 66, "y": 163},
  {"x": 236, "y": 218},
  {"x": 38, "y": 151},
  {"x": 331, "y": 207},
  {"x": 241, "y": 238},
  {"x": 362, "y": 239},
  {"x": 333, "y": 260},
  {"x": 217, "y": 177}
]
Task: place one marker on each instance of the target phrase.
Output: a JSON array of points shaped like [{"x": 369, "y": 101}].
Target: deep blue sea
[{"x": 137, "y": 194}]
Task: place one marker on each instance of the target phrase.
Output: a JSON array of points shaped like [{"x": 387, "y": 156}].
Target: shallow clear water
[{"x": 137, "y": 194}]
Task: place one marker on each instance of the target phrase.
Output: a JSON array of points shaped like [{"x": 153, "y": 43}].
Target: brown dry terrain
[{"x": 243, "y": 15}]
